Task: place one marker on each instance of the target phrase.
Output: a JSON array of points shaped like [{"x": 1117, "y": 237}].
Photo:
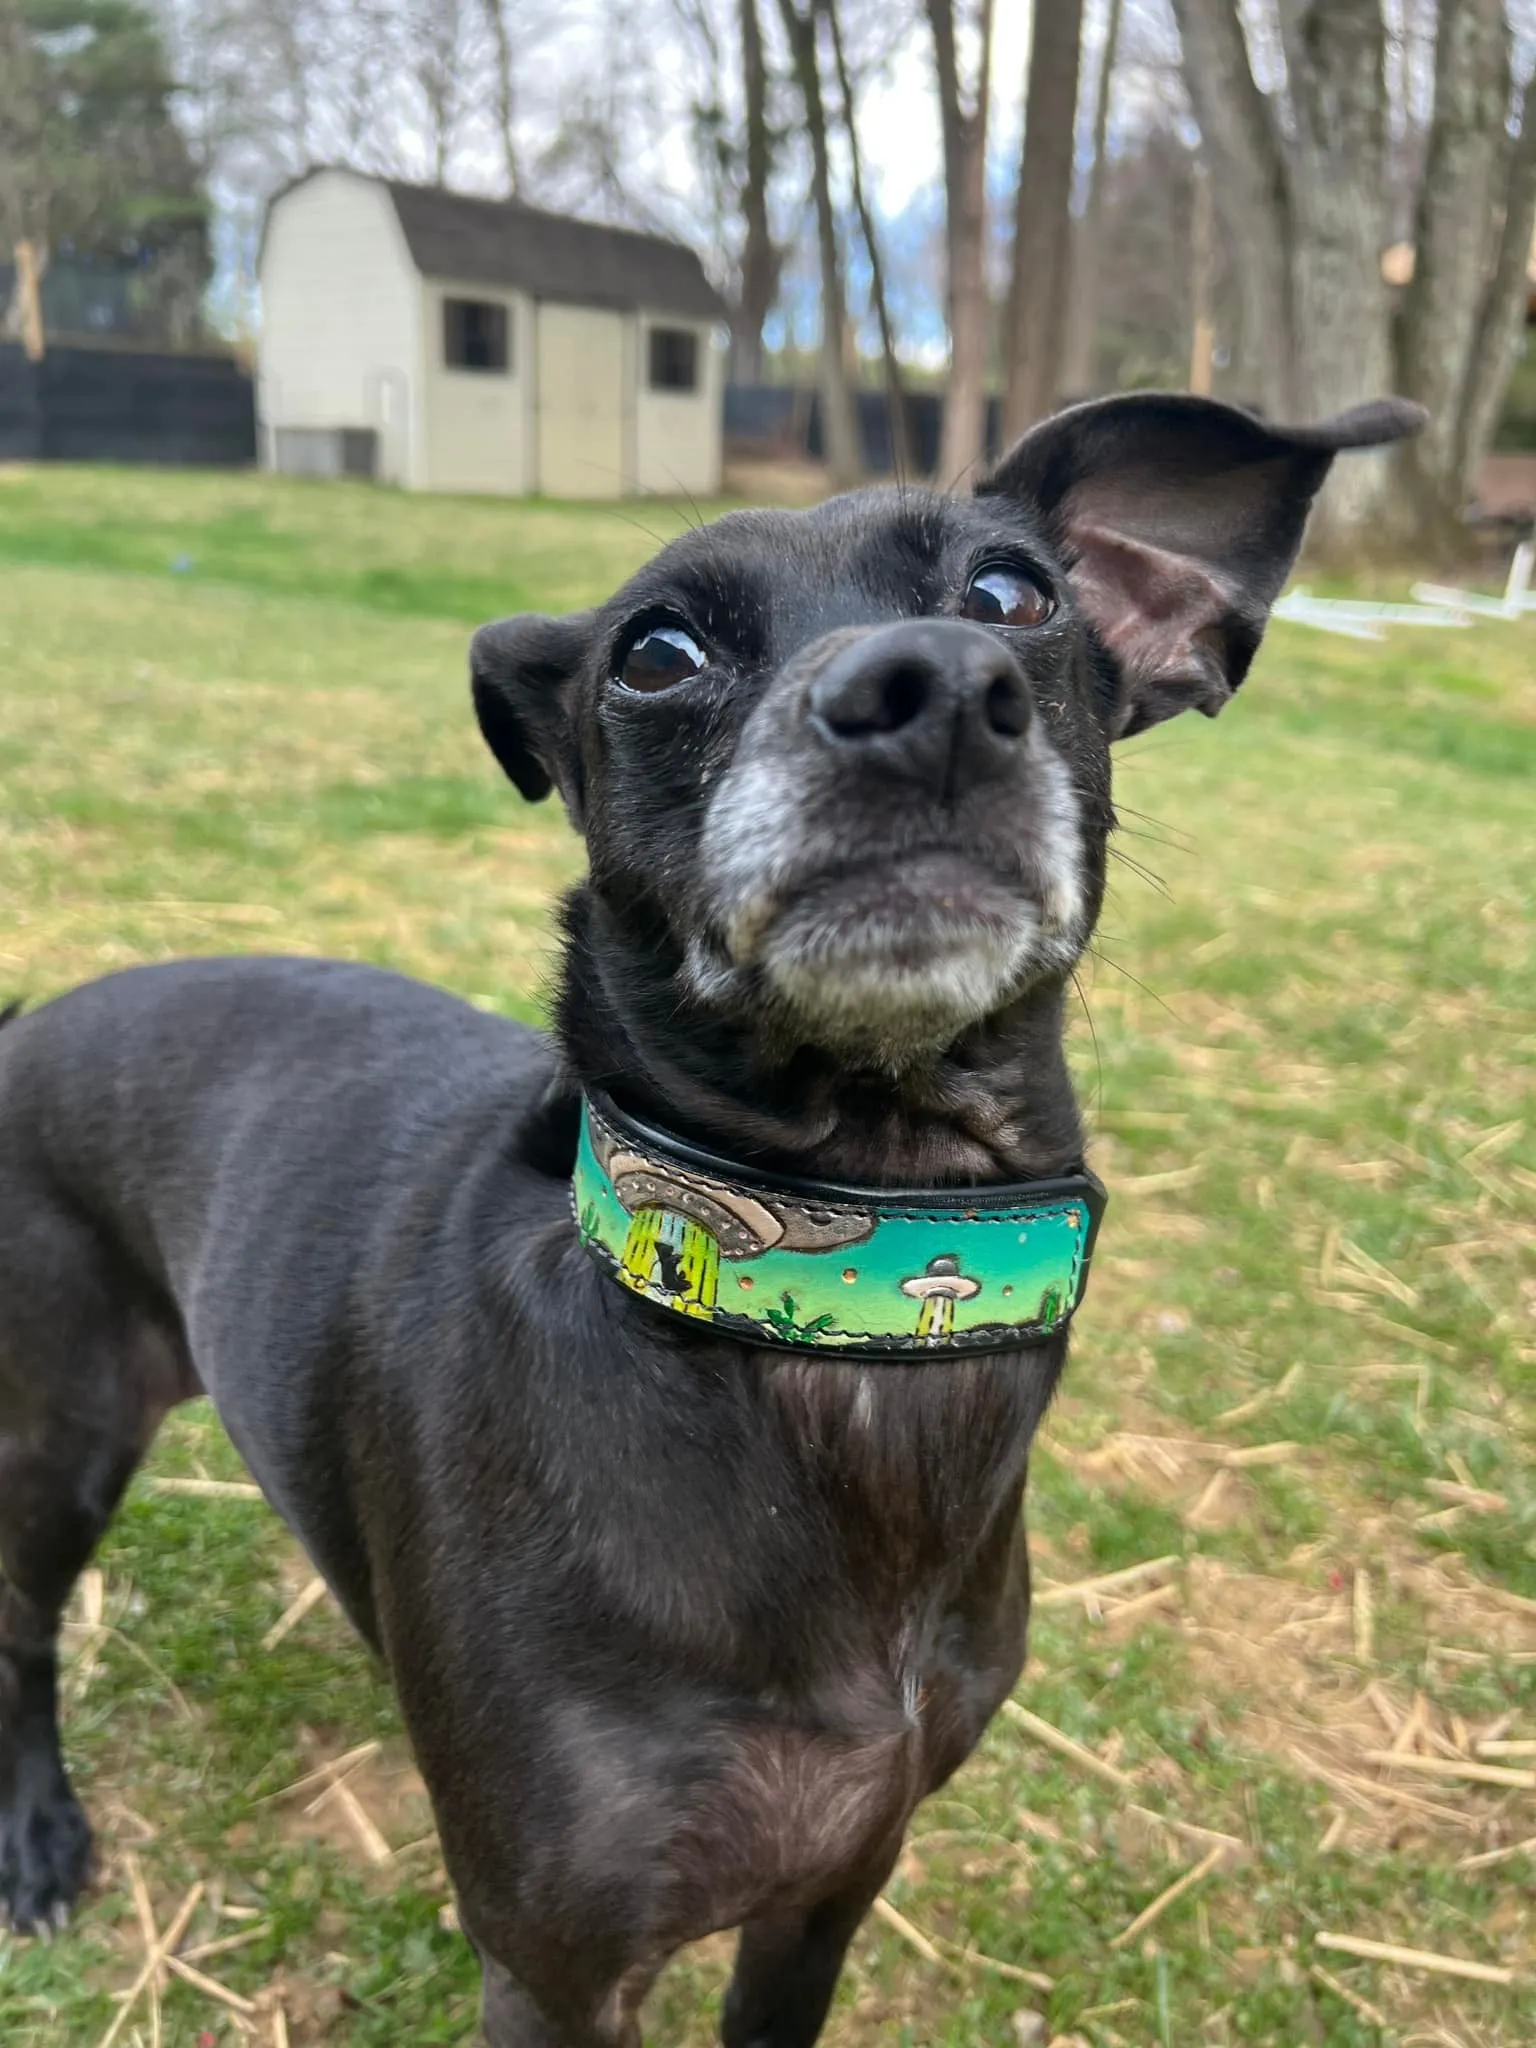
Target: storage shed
[{"x": 449, "y": 343}]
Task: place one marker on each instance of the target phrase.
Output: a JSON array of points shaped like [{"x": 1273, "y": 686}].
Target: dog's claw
[{"x": 45, "y": 1855}]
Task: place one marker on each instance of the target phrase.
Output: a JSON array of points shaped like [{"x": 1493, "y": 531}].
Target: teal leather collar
[{"x": 874, "y": 1273}]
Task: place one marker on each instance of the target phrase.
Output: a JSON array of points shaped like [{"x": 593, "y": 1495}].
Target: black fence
[
  {"x": 125, "y": 405},
  {"x": 768, "y": 420}
]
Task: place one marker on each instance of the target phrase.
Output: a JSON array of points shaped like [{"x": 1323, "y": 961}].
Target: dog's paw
[{"x": 45, "y": 1858}]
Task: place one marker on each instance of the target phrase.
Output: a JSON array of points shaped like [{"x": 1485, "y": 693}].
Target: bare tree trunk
[
  {"x": 1459, "y": 197},
  {"x": 1317, "y": 195},
  {"x": 963, "y": 118},
  {"x": 1252, "y": 193},
  {"x": 1340, "y": 223},
  {"x": 1035, "y": 330},
  {"x": 27, "y": 190},
  {"x": 1306, "y": 218},
  {"x": 1343, "y": 333},
  {"x": 895, "y": 391},
  {"x": 1079, "y": 366},
  {"x": 363, "y": 55},
  {"x": 1504, "y": 303},
  {"x": 840, "y": 420},
  {"x": 1202, "y": 253},
  {"x": 760, "y": 259},
  {"x": 29, "y": 298},
  {"x": 294, "y": 66},
  {"x": 501, "y": 45},
  {"x": 435, "y": 28}
]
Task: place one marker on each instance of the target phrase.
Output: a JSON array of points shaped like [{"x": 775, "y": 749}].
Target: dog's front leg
[
  {"x": 788, "y": 1964},
  {"x": 511, "y": 2017}
]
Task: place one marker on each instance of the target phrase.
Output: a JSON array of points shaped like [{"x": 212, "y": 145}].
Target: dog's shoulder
[{"x": 249, "y": 1040}]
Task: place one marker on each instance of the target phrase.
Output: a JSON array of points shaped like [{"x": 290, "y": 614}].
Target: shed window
[
  {"x": 475, "y": 335},
  {"x": 674, "y": 359}
]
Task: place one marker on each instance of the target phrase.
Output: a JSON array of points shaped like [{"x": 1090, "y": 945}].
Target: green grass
[
  {"x": 1311, "y": 1084},
  {"x": 465, "y": 559}
]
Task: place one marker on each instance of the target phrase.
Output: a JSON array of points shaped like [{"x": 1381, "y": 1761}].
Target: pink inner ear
[{"x": 1160, "y": 615}]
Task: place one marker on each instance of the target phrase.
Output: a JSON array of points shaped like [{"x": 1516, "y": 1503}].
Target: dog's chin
[{"x": 892, "y": 964}]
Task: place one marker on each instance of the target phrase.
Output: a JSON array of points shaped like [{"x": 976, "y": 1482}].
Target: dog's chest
[{"x": 791, "y": 1816}]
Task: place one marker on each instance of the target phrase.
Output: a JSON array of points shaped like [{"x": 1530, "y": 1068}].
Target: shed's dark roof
[{"x": 502, "y": 242}]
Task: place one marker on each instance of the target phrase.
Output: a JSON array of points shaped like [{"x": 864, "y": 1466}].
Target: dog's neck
[
  {"x": 995, "y": 1106},
  {"x": 920, "y": 1468}
]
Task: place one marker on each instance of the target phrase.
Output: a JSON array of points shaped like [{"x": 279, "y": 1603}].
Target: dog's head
[{"x": 847, "y": 769}]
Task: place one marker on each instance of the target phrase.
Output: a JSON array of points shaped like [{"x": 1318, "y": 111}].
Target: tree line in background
[
  {"x": 94, "y": 164},
  {"x": 1296, "y": 203}
]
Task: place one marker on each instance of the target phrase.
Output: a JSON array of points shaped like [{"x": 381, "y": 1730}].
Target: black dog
[{"x": 683, "y": 1626}]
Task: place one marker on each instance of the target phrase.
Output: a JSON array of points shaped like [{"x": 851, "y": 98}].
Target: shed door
[{"x": 581, "y": 401}]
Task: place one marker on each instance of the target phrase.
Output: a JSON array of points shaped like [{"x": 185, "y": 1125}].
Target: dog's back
[
  {"x": 177, "y": 1145},
  {"x": 180, "y": 1095}
]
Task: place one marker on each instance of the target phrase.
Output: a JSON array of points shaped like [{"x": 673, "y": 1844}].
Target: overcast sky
[
  {"x": 898, "y": 113},
  {"x": 899, "y": 121}
]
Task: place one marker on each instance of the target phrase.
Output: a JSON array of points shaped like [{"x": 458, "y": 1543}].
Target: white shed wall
[
  {"x": 585, "y": 377},
  {"x": 352, "y": 337},
  {"x": 341, "y": 340},
  {"x": 477, "y": 423},
  {"x": 678, "y": 433}
]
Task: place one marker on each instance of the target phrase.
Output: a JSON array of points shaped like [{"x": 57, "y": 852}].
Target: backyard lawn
[{"x": 233, "y": 716}]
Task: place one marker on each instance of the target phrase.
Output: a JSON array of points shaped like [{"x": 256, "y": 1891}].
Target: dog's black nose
[{"x": 936, "y": 700}]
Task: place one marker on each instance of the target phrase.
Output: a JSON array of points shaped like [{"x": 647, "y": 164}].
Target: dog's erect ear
[
  {"x": 520, "y": 673},
  {"x": 1180, "y": 519}
]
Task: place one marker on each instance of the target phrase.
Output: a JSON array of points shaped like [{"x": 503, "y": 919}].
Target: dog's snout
[{"x": 940, "y": 701}]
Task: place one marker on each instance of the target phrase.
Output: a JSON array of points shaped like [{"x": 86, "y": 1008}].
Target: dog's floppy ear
[
  {"x": 520, "y": 673},
  {"x": 1180, "y": 518}
]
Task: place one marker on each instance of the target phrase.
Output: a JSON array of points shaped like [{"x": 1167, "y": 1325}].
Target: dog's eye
[
  {"x": 1000, "y": 595},
  {"x": 660, "y": 658}
]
